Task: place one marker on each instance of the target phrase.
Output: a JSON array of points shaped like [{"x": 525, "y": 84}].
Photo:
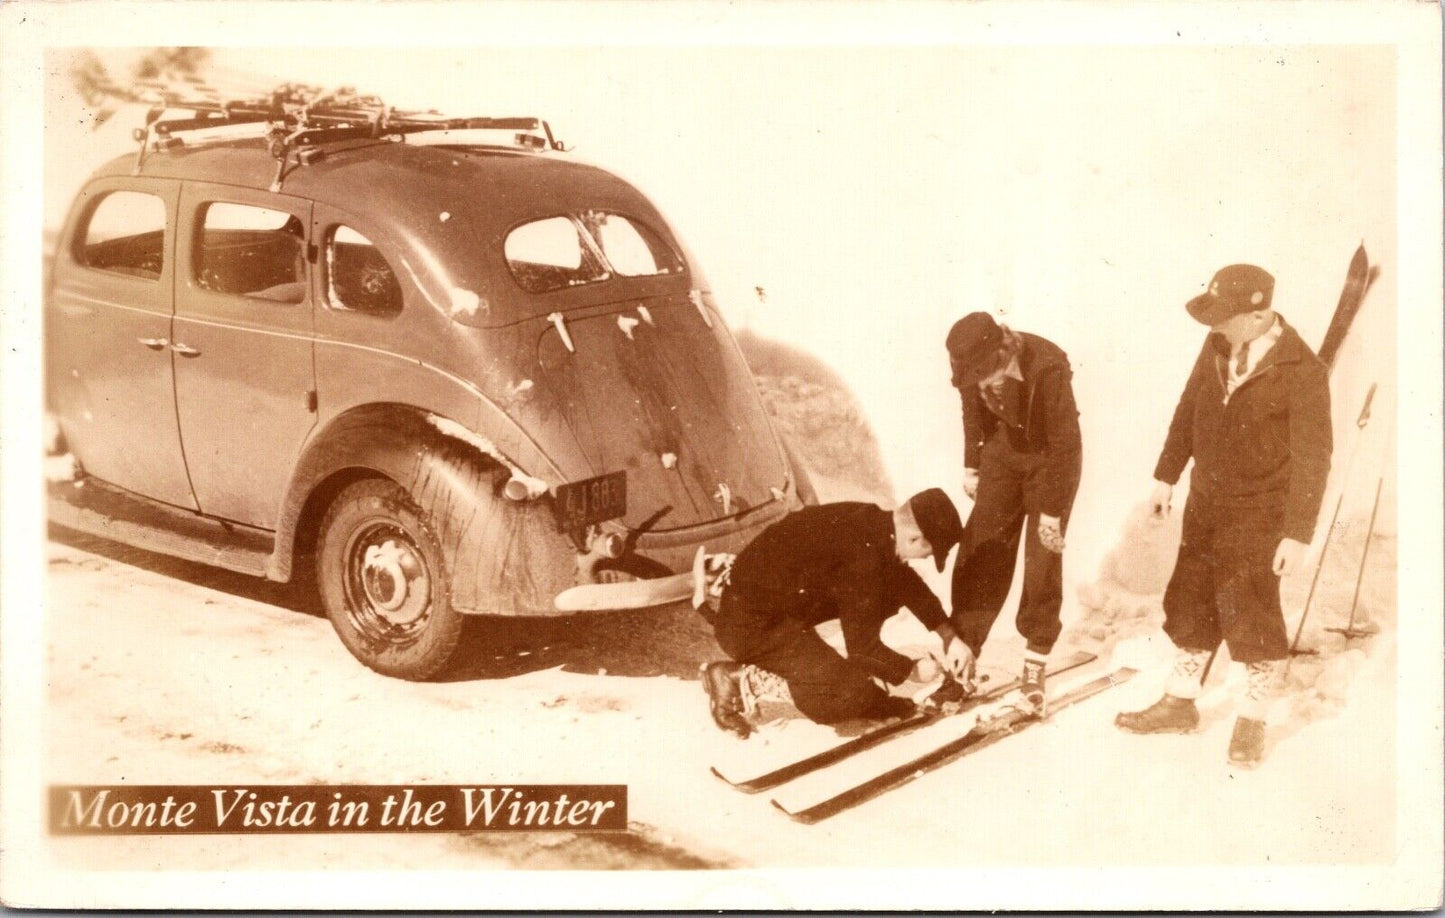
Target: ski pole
[
  {"x": 1314, "y": 582},
  {"x": 1360, "y": 423},
  {"x": 1349, "y": 631},
  {"x": 1208, "y": 665}
]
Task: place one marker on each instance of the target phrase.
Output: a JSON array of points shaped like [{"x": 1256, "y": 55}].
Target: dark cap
[
  {"x": 973, "y": 343},
  {"x": 938, "y": 520},
  {"x": 1236, "y": 289}
]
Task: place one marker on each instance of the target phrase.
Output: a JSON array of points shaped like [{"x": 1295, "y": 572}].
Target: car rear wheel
[{"x": 382, "y": 577}]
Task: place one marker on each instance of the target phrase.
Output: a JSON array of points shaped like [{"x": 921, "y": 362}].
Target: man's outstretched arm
[{"x": 864, "y": 603}]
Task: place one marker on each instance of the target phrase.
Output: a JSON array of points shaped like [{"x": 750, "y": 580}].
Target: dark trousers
[
  {"x": 1007, "y": 481},
  {"x": 825, "y": 686},
  {"x": 1223, "y": 587}
]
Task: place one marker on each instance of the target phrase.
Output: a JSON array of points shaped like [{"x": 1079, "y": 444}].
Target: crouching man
[
  {"x": 1255, "y": 418},
  {"x": 843, "y": 561}
]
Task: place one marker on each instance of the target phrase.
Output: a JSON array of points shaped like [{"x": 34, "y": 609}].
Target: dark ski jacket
[
  {"x": 1269, "y": 445},
  {"x": 836, "y": 561},
  {"x": 1046, "y": 423}
]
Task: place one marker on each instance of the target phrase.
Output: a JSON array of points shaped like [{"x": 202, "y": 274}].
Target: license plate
[{"x": 580, "y": 504}]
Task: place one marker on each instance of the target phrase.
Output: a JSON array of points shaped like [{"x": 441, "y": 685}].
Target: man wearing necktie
[
  {"x": 1022, "y": 459},
  {"x": 1255, "y": 418}
]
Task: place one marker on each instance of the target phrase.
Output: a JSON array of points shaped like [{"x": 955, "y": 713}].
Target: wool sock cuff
[
  {"x": 1182, "y": 686},
  {"x": 1261, "y": 684},
  {"x": 1186, "y": 677},
  {"x": 758, "y": 685}
]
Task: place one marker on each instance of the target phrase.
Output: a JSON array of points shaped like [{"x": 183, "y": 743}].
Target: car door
[
  {"x": 369, "y": 347},
  {"x": 243, "y": 342},
  {"x": 108, "y": 337}
]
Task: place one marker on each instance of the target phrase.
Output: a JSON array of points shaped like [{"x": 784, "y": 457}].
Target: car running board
[{"x": 110, "y": 513}]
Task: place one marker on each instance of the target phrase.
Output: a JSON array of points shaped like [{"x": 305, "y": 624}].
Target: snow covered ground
[{"x": 166, "y": 673}]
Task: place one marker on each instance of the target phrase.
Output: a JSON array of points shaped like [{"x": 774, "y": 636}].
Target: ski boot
[
  {"x": 949, "y": 697},
  {"x": 1170, "y": 714},
  {"x": 725, "y": 699},
  {"x": 1026, "y": 703},
  {"x": 1246, "y": 746},
  {"x": 1031, "y": 690}
]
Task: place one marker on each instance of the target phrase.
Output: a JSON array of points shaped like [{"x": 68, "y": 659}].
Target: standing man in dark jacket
[
  {"x": 1255, "y": 417},
  {"x": 1022, "y": 458},
  {"x": 844, "y": 561}
]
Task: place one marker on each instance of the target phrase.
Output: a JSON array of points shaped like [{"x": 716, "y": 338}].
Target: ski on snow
[
  {"x": 767, "y": 780},
  {"x": 984, "y": 734}
]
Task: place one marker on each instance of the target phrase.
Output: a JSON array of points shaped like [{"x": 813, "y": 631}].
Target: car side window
[
  {"x": 358, "y": 276},
  {"x": 251, "y": 251},
  {"x": 126, "y": 234}
]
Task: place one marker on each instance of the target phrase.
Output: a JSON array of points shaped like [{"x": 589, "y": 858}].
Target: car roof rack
[{"x": 300, "y": 119}]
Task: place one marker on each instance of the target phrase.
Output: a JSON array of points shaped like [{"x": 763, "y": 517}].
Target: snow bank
[
  {"x": 819, "y": 417},
  {"x": 1125, "y": 599}
]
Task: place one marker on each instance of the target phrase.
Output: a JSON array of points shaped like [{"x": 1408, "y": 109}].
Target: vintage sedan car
[{"x": 453, "y": 379}]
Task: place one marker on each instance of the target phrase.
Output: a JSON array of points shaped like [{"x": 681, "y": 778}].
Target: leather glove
[
  {"x": 970, "y": 483},
  {"x": 1159, "y": 500},
  {"x": 1288, "y": 556},
  {"x": 1050, "y": 534}
]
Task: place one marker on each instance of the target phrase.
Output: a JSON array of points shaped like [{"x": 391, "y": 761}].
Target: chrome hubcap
[
  {"x": 388, "y": 585},
  {"x": 395, "y": 581}
]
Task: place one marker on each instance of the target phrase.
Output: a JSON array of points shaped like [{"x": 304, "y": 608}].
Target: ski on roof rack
[{"x": 302, "y": 118}]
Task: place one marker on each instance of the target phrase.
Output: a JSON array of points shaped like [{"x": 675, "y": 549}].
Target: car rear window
[
  {"x": 251, "y": 251},
  {"x": 126, "y": 235},
  {"x": 631, "y": 248},
  {"x": 550, "y": 254},
  {"x": 358, "y": 277},
  {"x": 566, "y": 251}
]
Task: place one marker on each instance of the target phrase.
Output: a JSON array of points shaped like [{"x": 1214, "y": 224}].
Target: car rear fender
[{"x": 503, "y": 556}]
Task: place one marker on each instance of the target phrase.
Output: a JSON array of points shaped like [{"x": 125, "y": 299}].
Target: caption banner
[{"x": 168, "y": 809}]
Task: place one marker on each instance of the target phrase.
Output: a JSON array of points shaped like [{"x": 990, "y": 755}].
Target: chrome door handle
[
  {"x": 154, "y": 344},
  {"x": 185, "y": 350}
]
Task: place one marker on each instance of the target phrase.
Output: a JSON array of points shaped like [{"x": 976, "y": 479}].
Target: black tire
[{"x": 384, "y": 582}]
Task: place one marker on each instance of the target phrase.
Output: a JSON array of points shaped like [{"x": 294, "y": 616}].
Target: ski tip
[
  {"x": 747, "y": 787},
  {"x": 802, "y": 816},
  {"x": 726, "y": 780}
]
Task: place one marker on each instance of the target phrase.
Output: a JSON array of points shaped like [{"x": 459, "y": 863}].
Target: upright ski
[
  {"x": 1358, "y": 280},
  {"x": 983, "y": 735},
  {"x": 760, "y": 782}
]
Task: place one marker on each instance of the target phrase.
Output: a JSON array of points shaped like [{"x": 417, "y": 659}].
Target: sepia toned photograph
[{"x": 769, "y": 457}]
